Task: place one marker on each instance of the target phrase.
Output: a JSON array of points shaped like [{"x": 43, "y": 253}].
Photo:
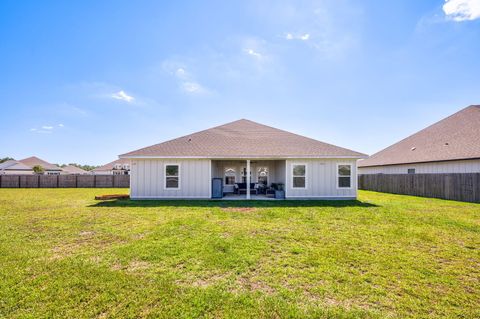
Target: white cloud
[
  {"x": 121, "y": 95},
  {"x": 461, "y": 10},
  {"x": 181, "y": 73},
  {"x": 33, "y": 129},
  {"x": 253, "y": 53},
  {"x": 186, "y": 80},
  {"x": 193, "y": 87},
  {"x": 61, "y": 125},
  {"x": 303, "y": 37},
  {"x": 46, "y": 127}
]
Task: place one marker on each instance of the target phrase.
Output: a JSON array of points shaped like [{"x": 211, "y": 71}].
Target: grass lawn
[{"x": 62, "y": 254}]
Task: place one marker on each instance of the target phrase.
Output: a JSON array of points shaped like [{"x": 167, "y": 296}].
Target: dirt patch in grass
[
  {"x": 202, "y": 282},
  {"x": 252, "y": 285}
]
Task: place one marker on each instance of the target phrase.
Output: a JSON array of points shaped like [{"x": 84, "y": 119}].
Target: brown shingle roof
[
  {"x": 453, "y": 138},
  {"x": 243, "y": 139},
  {"x": 109, "y": 166},
  {"x": 32, "y": 161},
  {"x": 70, "y": 169}
]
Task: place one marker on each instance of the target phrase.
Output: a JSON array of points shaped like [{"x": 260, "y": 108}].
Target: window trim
[
  {"x": 179, "y": 176},
  {"x": 351, "y": 175},
  {"x": 292, "y": 176}
]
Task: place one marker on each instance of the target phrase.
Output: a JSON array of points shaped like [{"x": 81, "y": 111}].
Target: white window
[
  {"x": 172, "y": 176},
  {"x": 262, "y": 176},
  {"x": 344, "y": 176},
  {"x": 299, "y": 176},
  {"x": 230, "y": 176}
]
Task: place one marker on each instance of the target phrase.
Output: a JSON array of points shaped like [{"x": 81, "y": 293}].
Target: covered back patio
[{"x": 249, "y": 179}]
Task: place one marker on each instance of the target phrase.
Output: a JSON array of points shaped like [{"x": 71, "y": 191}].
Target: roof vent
[
  {"x": 413, "y": 148},
  {"x": 446, "y": 144},
  {"x": 189, "y": 139}
]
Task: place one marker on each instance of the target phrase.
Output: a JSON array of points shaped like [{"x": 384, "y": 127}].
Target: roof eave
[
  {"x": 420, "y": 162},
  {"x": 244, "y": 157}
]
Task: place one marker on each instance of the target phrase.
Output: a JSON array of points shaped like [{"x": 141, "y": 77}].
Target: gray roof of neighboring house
[
  {"x": 32, "y": 161},
  {"x": 70, "y": 169},
  {"x": 14, "y": 165},
  {"x": 244, "y": 139},
  {"x": 110, "y": 166},
  {"x": 456, "y": 137}
]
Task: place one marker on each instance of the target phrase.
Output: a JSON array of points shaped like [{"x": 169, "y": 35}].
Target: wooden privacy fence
[
  {"x": 64, "y": 181},
  {"x": 462, "y": 187}
]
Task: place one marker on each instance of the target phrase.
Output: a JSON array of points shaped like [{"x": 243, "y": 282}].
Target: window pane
[
  {"x": 172, "y": 182},
  {"x": 299, "y": 170},
  {"x": 299, "y": 182},
  {"x": 171, "y": 170},
  {"x": 344, "y": 182},
  {"x": 229, "y": 180},
  {"x": 344, "y": 170}
]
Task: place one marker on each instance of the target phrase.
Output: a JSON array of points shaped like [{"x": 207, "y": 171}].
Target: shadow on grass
[{"x": 232, "y": 203}]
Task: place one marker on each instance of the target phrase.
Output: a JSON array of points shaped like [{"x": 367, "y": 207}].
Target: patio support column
[{"x": 248, "y": 179}]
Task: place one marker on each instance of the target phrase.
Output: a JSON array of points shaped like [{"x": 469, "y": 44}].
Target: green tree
[{"x": 38, "y": 169}]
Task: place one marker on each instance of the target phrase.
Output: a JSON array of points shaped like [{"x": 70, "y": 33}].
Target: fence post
[{"x": 94, "y": 181}]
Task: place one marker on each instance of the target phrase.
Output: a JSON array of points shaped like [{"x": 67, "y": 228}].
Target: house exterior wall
[
  {"x": 464, "y": 166},
  {"x": 147, "y": 180},
  {"x": 148, "y": 177},
  {"x": 321, "y": 179},
  {"x": 16, "y": 172}
]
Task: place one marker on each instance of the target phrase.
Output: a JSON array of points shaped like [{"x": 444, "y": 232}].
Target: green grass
[{"x": 62, "y": 254}]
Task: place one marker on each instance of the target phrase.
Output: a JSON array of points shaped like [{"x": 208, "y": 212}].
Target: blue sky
[{"x": 84, "y": 81}]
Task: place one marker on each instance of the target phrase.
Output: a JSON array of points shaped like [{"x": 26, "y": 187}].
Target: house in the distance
[
  {"x": 451, "y": 145},
  {"x": 243, "y": 159},
  {"x": 13, "y": 167},
  {"x": 49, "y": 169},
  {"x": 118, "y": 167},
  {"x": 73, "y": 170}
]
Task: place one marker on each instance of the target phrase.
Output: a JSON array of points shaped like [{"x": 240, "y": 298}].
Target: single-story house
[
  {"x": 243, "y": 159},
  {"x": 118, "y": 167},
  {"x": 13, "y": 167},
  {"x": 74, "y": 170},
  {"x": 451, "y": 145},
  {"x": 49, "y": 169}
]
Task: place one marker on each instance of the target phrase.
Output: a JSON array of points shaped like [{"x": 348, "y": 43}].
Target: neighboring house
[
  {"x": 49, "y": 169},
  {"x": 73, "y": 170},
  {"x": 449, "y": 146},
  {"x": 118, "y": 167},
  {"x": 248, "y": 158},
  {"x": 13, "y": 167}
]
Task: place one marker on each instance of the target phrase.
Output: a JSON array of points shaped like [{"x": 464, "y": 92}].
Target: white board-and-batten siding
[
  {"x": 463, "y": 166},
  {"x": 148, "y": 179},
  {"x": 321, "y": 179}
]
